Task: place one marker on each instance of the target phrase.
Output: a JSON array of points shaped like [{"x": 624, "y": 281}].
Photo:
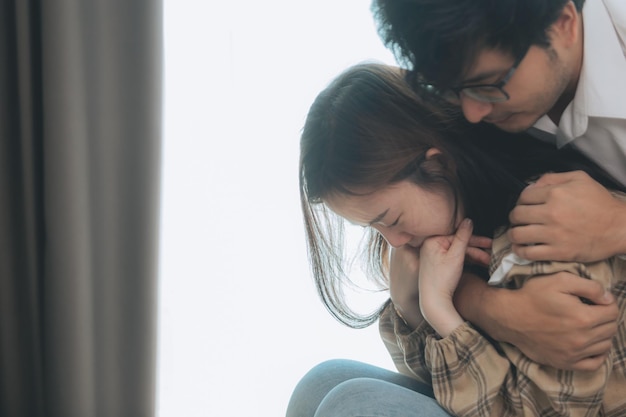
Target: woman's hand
[
  {"x": 478, "y": 250},
  {"x": 404, "y": 275},
  {"x": 440, "y": 269}
]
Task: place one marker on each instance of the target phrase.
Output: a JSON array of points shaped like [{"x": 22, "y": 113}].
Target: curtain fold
[{"x": 80, "y": 132}]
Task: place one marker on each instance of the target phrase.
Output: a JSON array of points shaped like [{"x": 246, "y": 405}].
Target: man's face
[{"x": 540, "y": 79}]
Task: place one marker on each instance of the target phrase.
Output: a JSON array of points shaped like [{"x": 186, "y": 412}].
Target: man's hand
[
  {"x": 545, "y": 318},
  {"x": 568, "y": 217}
]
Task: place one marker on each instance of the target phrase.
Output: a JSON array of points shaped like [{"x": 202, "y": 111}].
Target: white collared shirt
[{"x": 595, "y": 121}]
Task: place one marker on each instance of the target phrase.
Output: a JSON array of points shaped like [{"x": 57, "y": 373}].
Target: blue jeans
[{"x": 345, "y": 388}]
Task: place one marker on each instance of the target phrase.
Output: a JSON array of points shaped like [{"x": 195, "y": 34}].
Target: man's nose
[{"x": 475, "y": 110}]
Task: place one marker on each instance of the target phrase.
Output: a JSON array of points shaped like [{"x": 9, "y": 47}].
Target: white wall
[{"x": 240, "y": 321}]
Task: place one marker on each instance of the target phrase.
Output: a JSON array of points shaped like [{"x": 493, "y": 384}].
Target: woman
[{"x": 374, "y": 154}]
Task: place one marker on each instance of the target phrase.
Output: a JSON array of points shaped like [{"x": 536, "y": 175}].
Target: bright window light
[{"x": 239, "y": 319}]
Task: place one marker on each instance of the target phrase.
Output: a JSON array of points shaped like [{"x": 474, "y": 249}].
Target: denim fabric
[{"x": 345, "y": 388}]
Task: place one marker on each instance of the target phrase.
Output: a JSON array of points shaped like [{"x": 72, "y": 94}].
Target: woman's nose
[
  {"x": 475, "y": 110},
  {"x": 397, "y": 239}
]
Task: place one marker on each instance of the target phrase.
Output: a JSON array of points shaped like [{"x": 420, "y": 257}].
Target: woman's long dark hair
[{"x": 367, "y": 130}]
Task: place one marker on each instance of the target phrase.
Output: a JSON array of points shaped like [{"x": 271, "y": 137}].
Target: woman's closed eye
[{"x": 395, "y": 223}]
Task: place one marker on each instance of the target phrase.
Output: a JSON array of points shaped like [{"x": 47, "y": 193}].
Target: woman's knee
[
  {"x": 374, "y": 397},
  {"x": 318, "y": 382}
]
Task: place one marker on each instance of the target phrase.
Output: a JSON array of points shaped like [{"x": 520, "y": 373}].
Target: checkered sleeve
[
  {"x": 471, "y": 376},
  {"x": 465, "y": 370}
]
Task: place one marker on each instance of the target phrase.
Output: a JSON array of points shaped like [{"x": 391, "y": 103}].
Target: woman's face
[{"x": 404, "y": 213}]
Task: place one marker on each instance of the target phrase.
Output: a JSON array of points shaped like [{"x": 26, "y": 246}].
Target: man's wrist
[
  {"x": 620, "y": 229},
  {"x": 483, "y": 305},
  {"x": 469, "y": 297}
]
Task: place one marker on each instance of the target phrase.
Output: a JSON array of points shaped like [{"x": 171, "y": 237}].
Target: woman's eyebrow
[{"x": 379, "y": 217}]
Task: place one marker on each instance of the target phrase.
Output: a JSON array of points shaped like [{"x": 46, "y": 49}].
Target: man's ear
[{"x": 566, "y": 31}]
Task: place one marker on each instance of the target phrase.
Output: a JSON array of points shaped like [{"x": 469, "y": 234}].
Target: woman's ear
[
  {"x": 432, "y": 152},
  {"x": 438, "y": 160}
]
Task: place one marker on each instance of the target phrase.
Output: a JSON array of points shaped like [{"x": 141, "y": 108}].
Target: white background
[{"x": 239, "y": 319}]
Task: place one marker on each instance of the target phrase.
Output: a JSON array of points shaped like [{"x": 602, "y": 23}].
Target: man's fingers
[
  {"x": 594, "y": 292},
  {"x": 525, "y": 235},
  {"x": 529, "y": 214},
  {"x": 559, "y": 178},
  {"x": 528, "y": 244},
  {"x": 591, "y": 363},
  {"x": 538, "y": 192},
  {"x": 533, "y": 196},
  {"x": 538, "y": 252}
]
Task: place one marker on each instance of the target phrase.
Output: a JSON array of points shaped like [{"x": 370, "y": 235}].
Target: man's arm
[
  {"x": 568, "y": 217},
  {"x": 545, "y": 318}
]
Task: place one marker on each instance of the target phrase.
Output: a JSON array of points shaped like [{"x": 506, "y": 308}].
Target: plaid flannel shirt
[{"x": 473, "y": 375}]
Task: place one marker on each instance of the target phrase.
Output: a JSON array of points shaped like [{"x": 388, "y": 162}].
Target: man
[{"x": 556, "y": 68}]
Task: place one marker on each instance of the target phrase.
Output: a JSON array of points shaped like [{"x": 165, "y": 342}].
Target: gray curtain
[{"x": 80, "y": 126}]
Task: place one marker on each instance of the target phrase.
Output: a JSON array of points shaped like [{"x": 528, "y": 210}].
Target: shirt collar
[{"x": 601, "y": 90}]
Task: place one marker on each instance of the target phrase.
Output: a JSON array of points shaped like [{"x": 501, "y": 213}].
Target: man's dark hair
[{"x": 440, "y": 39}]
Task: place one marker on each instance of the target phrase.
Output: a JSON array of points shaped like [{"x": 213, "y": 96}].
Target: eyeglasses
[{"x": 487, "y": 93}]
